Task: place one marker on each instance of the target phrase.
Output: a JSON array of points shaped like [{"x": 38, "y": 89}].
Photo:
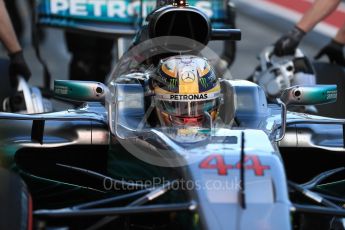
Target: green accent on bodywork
[
  {"x": 51, "y": 194},
  {"x": 326, "y": 93},
  {"x": 204, "y": 131},
  {"x": 335, "y": 188},
  {"x": 123, "y": 17},
  {"x": 7, "y": 156},
  {"x": 72, "y": 90},
  {"x": 123, "y": 11},
  {"x": 123, "y": 165},
  {"x": 196, "y": 219}
]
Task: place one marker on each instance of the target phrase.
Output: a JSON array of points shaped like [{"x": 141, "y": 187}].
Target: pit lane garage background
[{"x": 262, "y": 22}]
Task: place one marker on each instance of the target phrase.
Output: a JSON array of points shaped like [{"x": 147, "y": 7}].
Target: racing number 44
[{"x": 217, "y": 161}]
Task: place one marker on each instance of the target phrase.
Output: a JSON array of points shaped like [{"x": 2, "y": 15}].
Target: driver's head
[{"x": 187, "y": 91}]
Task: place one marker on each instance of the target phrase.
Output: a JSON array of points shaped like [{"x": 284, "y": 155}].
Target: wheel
[{"x": 15, "y": 202}]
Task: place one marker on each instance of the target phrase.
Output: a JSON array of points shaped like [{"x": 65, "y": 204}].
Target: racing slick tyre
[{"x": 15, "y": 203}]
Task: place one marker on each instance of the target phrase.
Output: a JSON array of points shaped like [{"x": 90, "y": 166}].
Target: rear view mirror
[
  {"x": 305, "y": 95},
  {"x": 309, "y": 95},
  {"x": 82, "y": 91}
]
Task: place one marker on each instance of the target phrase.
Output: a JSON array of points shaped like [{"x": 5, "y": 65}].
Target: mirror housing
[
  {"x": 81, "y": 91},
  {"x": 309, "y": 95},
  {"x": 304, "y": 95}
]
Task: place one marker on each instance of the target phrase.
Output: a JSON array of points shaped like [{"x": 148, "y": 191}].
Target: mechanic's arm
[
  {"x": 7, "y": 34},
  {"x": 320, "y": 9},
  {"x": 18, "y": 66}
]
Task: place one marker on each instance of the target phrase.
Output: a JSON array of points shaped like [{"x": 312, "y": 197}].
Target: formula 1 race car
[{"x": 171, "y": 142}]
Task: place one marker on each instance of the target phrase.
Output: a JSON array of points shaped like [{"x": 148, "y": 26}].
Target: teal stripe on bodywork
[{"x": 71, "y": 89}]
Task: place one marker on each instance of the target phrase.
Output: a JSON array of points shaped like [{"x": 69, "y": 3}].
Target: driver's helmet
[{"x": 187, "y": 91}]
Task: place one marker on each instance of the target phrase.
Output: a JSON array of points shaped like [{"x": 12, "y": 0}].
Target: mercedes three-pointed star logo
[{"x": 188, "y": 76}]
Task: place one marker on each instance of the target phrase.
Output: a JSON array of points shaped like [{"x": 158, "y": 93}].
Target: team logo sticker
[{"x": 188, "y": 77}]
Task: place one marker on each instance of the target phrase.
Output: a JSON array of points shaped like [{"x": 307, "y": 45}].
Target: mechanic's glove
[
  {"x": 334, "y": 51},
  {"x": 18, "y": 67},
  {"x": 288, "y": 43}
]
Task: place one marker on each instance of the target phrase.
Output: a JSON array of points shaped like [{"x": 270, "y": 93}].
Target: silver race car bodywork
[
  {"x": 254, "y": 193},
  {"x": 88, "y": 168}
]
